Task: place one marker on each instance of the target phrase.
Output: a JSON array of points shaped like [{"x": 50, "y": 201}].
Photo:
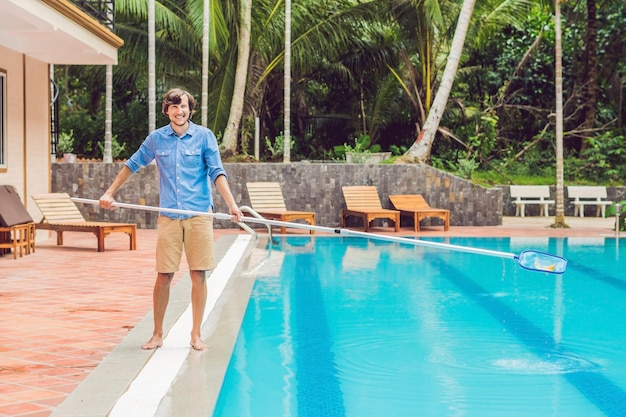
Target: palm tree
[
  {"x": 420, "y": 150},
  {"x": 559, "y": 219},
  {"x": 287, "y": 93},
  {"x": 229, "y": 141},
  {"x": 422, "y": 68},
  {"x": 107, "y": 157},
  {"x": 108, "y": 106},
  {"x": 179, "y": 36},
  {"x": 151, "y": 67},
  {"x": 346, "y": 39},
  {"x": 327, "y": 40},
  {"x": 205, "y": 61}
]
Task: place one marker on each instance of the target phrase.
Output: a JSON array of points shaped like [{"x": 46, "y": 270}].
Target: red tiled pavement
[{"x": 63, "y": 309}]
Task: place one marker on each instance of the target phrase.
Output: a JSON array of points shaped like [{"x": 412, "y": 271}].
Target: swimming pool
[{"x": 355, "y": 327}]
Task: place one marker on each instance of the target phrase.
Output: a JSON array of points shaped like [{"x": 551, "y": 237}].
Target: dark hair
[{"x": 173, "y": 96}]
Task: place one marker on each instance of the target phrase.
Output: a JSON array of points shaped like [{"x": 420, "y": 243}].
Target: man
[{"x": 186, "y": 156}]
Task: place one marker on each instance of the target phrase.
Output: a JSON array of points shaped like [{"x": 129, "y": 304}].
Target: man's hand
[
  {"x": 106, "y": 201},
  {"x": 235, "y": 214}
]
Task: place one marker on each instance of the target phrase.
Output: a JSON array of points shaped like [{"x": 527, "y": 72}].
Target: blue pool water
[{"x": 359, "y": 328}]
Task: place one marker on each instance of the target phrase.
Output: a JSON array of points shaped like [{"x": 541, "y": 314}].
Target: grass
[{"x": 491, "y": 178}]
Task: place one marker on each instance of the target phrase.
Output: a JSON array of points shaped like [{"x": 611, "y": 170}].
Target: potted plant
[
  {"x": 65, "y": 146},
  {"x": 362, "y": 152}
]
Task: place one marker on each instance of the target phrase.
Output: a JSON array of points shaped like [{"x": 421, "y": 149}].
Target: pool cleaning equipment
[{"x": 527, "y": 259}]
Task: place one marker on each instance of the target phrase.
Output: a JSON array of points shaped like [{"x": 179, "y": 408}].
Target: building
[{"x": 34, "y": 36}]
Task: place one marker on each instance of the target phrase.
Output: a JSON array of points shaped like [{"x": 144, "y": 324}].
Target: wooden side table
[{"x": 19, "y": 238}]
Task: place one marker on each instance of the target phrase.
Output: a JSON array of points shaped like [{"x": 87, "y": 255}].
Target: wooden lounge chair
[
  {"x": 60, "y": 214},
  {"x": 415, "y": 205},
  {"x": 363, "y": 201},
  {"x": 266, "y": 198}
]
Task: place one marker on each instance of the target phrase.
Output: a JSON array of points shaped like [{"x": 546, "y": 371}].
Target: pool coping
[
  {"x": 221, "y": 331},
  {"x": 102, "y": 388}
]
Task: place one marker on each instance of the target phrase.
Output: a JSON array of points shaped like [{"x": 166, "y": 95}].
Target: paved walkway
[{"x": 64, "y": 309}]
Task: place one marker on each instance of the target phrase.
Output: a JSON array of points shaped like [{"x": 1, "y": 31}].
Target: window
[{"x": 3, "y": 119}]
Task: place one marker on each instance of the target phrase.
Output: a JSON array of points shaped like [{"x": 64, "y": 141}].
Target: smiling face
[
  {"x": 179, "y": 112},
  {"x": 178, "y": 105}
]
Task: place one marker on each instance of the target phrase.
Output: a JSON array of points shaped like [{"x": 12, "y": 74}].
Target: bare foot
[
  {"x": 198, "y": 345},
  {"x": 154, "y": 343}
]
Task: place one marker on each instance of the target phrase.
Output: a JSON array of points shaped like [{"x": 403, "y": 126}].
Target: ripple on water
[
  {"x": 376, "y": 355},
  {"x": 554, "y": 363},
  {"x": 387, "y": 353}
]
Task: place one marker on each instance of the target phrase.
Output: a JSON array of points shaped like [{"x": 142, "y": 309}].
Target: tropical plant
[
  {"x": 420, "y": 150},
  {"x": 277, "y": 147},
  {"x": 229, "y": 141},
  {"x": 604, "y": 159},
  {"x": 116, "y": 148},
  {"x": 66, "y": 143},
  {"x": 559, "y": 217},
  {"x": 362, "y": 145},
  {"x": 360, "y": 67}
]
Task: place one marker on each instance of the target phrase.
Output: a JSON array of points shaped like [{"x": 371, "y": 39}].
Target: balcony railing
[{"x": 101, "y": 10}]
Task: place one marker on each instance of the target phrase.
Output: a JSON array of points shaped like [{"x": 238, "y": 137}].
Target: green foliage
[
  {"x": 484, "y": 137},
  {"x": 490, "y": 178},
  {"x": 277, "y": 148},
  {"x": 604, "y": 160},
  {"x": 507, "y": 104},
  {"x": 82, "y": 111},
  {"x": 466, "y": 168},
  {"x": 360, "y": 66},
  {"x": 87, "y": 128},
  {"x": 116, "y": 148},
  {"x": 362, "y": 144},
  {"x": 130, "y": 124},
  {"x": 443, "y": 164},
  {"x": 398, "y": 150},
  {"x": 66, "y": 143}
]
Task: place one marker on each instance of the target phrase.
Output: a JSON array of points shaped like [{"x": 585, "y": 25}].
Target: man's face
[{"x": 179, "y": 113}]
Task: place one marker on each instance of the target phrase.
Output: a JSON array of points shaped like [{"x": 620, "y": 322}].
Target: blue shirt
[{"x": 185, "y": 165}]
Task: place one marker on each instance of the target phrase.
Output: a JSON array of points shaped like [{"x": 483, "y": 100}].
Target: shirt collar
[{"x": 190, "y": 130}]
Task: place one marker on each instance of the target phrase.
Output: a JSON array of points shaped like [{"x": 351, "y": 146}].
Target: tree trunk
[
  {"x": 151, "y": 67},
  {"x": 205, "y": 63},
  {"x": 559, "y": 219},
  {"x": 591, "y": 71},
  {"x": 107, "y": 157},
  {"x": 287, "y": 109},
  {"x": 229, "y": 142},
  {"x": 420, "y": 150}
]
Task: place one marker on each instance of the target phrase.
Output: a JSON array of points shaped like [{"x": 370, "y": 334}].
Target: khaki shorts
[{"x": 195, "y": 234}]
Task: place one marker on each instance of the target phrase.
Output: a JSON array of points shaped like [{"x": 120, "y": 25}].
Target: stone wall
[{"x": 306, "y": 186}]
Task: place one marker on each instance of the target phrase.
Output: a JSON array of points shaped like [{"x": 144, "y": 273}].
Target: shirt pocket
[
  {"x": 193, "y": 158},
  {"x": 165, "y": 158}
]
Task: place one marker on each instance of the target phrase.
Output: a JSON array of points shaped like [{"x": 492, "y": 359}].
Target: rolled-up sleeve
[
  {"x": 142, "y": 157},
  {"x": 215, "y": 173},
  {"x": 213, "y": 159}
]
